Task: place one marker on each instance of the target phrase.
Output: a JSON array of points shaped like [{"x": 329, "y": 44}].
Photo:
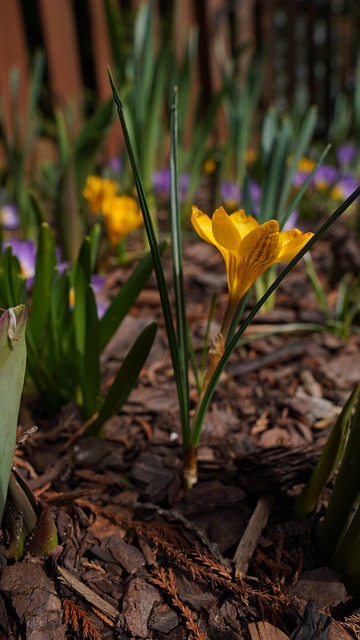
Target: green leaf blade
[{"x": 12, "y": 373}]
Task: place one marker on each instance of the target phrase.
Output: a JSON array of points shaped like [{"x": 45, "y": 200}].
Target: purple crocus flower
[
  {"x": 98, "y": 283},
  {"x": 345, "y": 187},
  {"x": 116, "y": 164},
  {"x": 25, "y": 251},
  {"x": 346, "y": 154},
  {"x": 161, "y": 182},
  {"x": 255, "y": 194},
  {"x": 9, "y": 216},
  {"x": 325, "y": 177},
  {"x": 230, "y": 193}
]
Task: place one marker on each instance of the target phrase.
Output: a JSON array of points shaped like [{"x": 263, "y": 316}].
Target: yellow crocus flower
[
  {"x": 97, "y": 191},
  {"x": 121, "y": 216},
  {"x": 248, "y": 248}
]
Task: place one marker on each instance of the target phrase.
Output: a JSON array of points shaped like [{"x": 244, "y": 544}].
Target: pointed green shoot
[
  {"x": 160, "y": 276},
  {"x": 90, "y": 373},
  {"x": 345, "y": 495},
  {"x": 176, "y": 246},
  {"x": 82, "y": 282},
  {"x": 44, "y": 272},
  {"x": 329, "y": 460},
  {"x": 12, "y": 373}
]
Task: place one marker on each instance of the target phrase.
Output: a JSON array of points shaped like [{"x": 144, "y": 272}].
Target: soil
[{"x": 139, "y": 558}]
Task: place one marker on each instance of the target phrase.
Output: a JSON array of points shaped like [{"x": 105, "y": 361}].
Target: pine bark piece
[
  {"x": 138, "y": 603},
  {"x": 33, "y": 596},
  {"x": 249, "y": 540},
  {"x": 265, "y": 631}
]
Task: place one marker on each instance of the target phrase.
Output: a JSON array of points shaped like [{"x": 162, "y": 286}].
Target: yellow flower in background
[
  {"x": 250, "y": 157},
  {"x": 305, "y": 164},
  {"x": 97, "y": 191},
  {"x": 121, "y": 216},
  {"x": 248, "y": 248},
  {"x": 209, "y": 166}
]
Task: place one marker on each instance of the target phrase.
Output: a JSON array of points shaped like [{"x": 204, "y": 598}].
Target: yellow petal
[
  {"x": 202, "y": 225},
  {"x": 292, "y": 241},
  {"x": 224, "y": 230},
  {"x": 258, "y": 250},
  {"x": 243, "y": 223}
]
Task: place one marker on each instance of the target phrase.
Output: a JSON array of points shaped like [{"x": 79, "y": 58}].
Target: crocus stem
[
  {"x": 218, "y": 345},
  {"x": 190, "y": 476},
  {"x": 215, "y": 353}
]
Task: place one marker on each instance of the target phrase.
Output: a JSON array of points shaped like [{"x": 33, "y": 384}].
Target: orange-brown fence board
[
  {"x": 13, "y": 54},
  {"x": 308, "y": 43}
]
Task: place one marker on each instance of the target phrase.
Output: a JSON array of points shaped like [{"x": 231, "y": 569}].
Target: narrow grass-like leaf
[
  {"x": 95, "y": 237},
  {"x": 274, "y": 168},
  {"x": 347, "y": 560},
  {"x": 303, "y": 140},
  {"x": 90, "y": 375},
  {"x": 117, "y": 38},
  {"x": 12, "y": 373},
  {"x": 329, "y": 460},
  {"x": 126, "y": 377},
  {"x": 44, "y": 273},
  {"x": 160, "y": 276},
  {"x": 14, "y": 282},
  {"x": 82, "y": 281},
  {"x": 231, "y": 345},
  {"x": 42, "y": 377},
  {"x": 178, "y": 273},
  {"x": 125, "y": 299},
  {"x": 90, "y": 139}
]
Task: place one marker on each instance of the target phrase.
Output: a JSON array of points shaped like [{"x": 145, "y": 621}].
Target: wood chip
[
  {"x": 249, "y": 540},
  {"x": 265, "y": 631},
  {"x": 92, "y": 598}
]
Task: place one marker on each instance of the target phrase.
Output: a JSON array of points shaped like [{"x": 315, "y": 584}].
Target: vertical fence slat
[
  {"x": 13, "y": 54},
  {"x": 62, "y": 54},
  {"x": 102, "y": 59}
]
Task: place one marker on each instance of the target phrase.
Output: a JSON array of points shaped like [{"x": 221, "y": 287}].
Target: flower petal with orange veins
[{"x": 258, "y": 250}]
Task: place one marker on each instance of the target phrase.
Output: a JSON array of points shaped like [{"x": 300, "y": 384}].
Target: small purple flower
[
  {"x": 325, "y": 177},
  {"x": 25, "y": 251},
  {"x": 346, "y": 154},
  {"x": 230, "y": 193},
  {"x": 97, "y": 283},
  {"x": 116, "y": 164},
  {"x": 184, "y": 185},
  {"x": 161, "y": 182},
  {"x": 9, "y": 217},
  {"x": 345, "y": 187},
  {"x": 255, "y": 194}
]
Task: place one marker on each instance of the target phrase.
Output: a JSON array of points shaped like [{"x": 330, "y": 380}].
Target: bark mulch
[{"x": 138, "y": 558}]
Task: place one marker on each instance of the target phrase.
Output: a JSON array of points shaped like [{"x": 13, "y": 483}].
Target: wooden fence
[{"x": 310, "y": 44}]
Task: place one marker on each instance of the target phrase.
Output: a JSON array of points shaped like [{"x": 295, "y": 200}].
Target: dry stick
[
  {"x": 249, "y": 540},
  {"x": 88, "y": 594}
]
